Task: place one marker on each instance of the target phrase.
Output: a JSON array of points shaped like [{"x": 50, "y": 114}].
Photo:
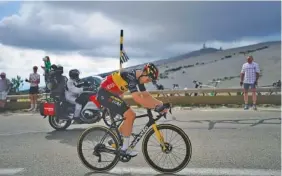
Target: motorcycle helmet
[
  {"x": 60, "y": 69},
  {"x": 74, "y": 74}
]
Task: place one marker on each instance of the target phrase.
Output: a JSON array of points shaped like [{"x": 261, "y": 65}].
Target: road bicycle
[{"x": 113, "y": 145}]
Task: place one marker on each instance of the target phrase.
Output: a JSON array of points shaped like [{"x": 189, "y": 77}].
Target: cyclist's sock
[{"x": 126, "y": 141}]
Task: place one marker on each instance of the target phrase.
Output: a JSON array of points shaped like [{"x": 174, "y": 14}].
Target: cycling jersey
[{"x": 120, "y": 82}]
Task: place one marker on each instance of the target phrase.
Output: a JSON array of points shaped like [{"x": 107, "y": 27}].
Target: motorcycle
[{"x": 60, "y": 112}]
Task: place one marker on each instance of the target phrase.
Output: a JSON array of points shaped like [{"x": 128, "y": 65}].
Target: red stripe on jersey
[{"x": 110, "y": 85}]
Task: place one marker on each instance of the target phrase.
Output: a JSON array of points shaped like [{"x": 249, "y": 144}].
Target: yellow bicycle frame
[{"x": 159, "y": 135}]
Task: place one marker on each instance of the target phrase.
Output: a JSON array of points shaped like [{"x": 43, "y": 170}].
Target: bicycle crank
[{"x": 125, "y": 158}]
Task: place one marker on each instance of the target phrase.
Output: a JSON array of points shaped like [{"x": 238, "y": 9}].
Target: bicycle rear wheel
[
  {"x": 102, "y": 147},
  {"x": 171, "y": 147}
]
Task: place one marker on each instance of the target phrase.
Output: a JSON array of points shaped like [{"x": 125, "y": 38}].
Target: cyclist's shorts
[{"x": 111, "y": 101}]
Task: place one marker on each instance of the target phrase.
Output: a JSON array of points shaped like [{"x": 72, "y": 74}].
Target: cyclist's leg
[
  {"x": 126, "y": 130},
  {"x": 127, "y": 125},
  {"x": 115, "y": 104}
]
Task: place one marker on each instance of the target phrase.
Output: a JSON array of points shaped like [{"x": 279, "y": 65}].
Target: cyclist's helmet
[
  {"x": 74, "y": 74},
  {"x": 152, "y": 71}
]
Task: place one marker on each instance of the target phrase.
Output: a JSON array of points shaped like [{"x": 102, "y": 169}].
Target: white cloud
[
  {"x": 40, "y": 26},
  {"x": 17, "y": 61}
]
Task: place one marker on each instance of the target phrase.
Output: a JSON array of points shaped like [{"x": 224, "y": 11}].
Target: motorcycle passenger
[{"x": 73, "y": 91}]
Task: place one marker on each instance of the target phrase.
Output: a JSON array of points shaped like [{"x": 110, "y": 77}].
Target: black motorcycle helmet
[
  {"x": 60, "y": 69},
  {"x": 74, "y": 74}
]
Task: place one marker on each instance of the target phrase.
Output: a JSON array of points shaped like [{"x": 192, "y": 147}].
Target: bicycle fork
[{"x": 159, "y": 136}]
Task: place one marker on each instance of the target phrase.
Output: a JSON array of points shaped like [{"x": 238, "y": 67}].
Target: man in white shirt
[{"x": 249, "y": 77}]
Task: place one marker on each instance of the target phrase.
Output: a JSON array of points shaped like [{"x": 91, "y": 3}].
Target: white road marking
[
  {"x": 241, "y": 110},
  {"x": 10, "y": 171},
  {"x": 200, "y": 171}
]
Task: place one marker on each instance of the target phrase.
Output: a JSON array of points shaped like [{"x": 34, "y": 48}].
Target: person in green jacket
[
  {"x": 46, "y": 67},
  {"x": 47, "y": 64}
]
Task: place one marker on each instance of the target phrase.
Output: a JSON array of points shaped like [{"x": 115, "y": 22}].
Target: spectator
[
  {"x": 249, "y": 78},
  {"x": 158, "y": 86},
  {"x": 5, "y": 86},
  {"x": 34, "y": 80}
]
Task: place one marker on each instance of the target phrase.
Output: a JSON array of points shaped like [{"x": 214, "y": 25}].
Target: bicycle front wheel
[
  {"x": 98, "y": 150},
  {"x": 174, "y": 151}
]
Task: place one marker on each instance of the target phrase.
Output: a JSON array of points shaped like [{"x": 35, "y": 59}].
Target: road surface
[{"x": 225, "y": 142}]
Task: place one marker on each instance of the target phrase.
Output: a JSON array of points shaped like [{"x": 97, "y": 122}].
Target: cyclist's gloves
[{"x": 160, "y": 108}]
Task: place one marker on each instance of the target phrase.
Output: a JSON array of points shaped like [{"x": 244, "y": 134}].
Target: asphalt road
[{"x": 225, "y": 142}]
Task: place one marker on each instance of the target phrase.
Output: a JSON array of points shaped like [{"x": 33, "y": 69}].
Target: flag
[{"x": 123, "y": 58}]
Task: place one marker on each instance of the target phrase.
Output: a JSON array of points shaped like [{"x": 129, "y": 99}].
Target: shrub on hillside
[
  {"x": 173, "y": 69},
  {"x": 163, "y": 76},
  {"x": 187, "y": 66},
  {"x": 264, "y": 47}
]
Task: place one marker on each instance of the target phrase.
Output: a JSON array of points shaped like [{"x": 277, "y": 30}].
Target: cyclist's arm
[
  {"x": 138, "y": 97},
  {"x": 148, "y": 96}
]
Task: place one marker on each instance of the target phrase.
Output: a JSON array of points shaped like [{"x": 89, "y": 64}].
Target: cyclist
[{"x": 111, "y": 90}]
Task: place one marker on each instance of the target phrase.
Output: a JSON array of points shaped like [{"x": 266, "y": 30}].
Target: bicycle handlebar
[{"x": 161, "y": 108}]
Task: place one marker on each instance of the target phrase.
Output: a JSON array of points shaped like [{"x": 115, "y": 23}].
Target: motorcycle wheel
[{"x": 58, "y": 124}]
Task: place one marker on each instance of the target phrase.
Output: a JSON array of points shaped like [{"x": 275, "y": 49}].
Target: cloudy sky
[{"x": 85, "y": 35}]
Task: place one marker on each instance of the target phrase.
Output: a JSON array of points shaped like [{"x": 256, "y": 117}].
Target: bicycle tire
[
  {"x": 80, "y": 154},
  {"x": 188, "y": 144}
]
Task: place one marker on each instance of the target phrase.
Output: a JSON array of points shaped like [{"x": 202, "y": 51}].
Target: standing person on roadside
[
  {"x": 5, "y": 86},
  {"x": 249, "y": 78},
  {"x": 34, "y": 80}
]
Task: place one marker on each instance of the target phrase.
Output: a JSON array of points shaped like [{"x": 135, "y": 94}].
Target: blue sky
[
  {"x": 85, "y": 35},
  {"x": 9, "y": 8}
]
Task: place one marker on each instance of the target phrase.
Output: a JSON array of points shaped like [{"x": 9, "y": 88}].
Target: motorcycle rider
[{"x": 73, "y": 90}]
